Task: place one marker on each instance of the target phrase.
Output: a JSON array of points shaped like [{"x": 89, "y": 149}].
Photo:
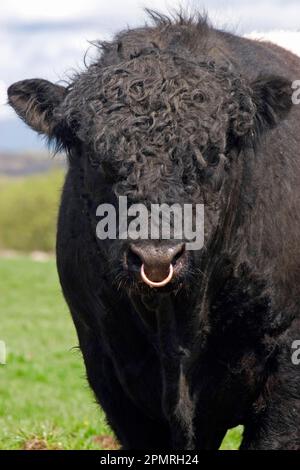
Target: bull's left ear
[
  {"x": 36, "y": 101},
  {"x": 272, "y": 96},
  {"x": 265, "y": 102}
]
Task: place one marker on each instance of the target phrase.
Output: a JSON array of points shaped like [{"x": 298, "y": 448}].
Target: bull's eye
[
  {"x": 109, "y": 171},
  {"x": 185, "y": 179}
]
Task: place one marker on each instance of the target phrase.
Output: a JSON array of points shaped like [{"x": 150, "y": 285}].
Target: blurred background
[{"x": 44, "y": 398}]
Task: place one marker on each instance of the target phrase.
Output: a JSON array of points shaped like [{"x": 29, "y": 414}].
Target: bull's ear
[
  {"x": 36, "y": 101},
  {"x": 265, "y": 102},
  {"x": 272, "y": 96}
]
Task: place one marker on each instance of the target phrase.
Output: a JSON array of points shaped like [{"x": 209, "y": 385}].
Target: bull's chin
[{"x": 139, "y": 287}]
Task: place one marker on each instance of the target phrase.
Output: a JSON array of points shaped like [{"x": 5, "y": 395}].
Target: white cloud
[
  {"x": 33, "y": 10},
  {"x": 57, "y": 10}
]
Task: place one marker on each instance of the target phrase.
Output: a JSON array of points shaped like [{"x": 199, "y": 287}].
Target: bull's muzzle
[{"x": 160, "y": 283}]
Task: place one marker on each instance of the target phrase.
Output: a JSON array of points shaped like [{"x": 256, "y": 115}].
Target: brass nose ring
[{"x": 160, "y": 283}]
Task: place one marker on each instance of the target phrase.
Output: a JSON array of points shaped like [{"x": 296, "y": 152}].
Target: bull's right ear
[{"x": 36, "y": 101}]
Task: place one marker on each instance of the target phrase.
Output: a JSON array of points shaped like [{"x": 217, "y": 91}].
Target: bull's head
[{"x": 158, "y": 128}]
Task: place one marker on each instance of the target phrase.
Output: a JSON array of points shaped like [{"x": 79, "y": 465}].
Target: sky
[{"x": 49, "y": 39}]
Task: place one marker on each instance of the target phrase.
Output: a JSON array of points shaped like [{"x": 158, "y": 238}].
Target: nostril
[
  {"x": 179, "y": 254},
  {"x": 134, "y": 262}
]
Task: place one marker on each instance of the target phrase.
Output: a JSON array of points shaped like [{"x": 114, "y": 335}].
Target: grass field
[
  {"x": 24, "y": 226},
  {"x": 44, "y": 398}
]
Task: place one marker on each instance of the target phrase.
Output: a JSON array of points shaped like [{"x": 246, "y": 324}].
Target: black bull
[{"x": 179, "y": 111}]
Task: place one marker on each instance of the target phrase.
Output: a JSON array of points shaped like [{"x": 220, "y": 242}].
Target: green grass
[
  {"x": 28, "y": 208},
  {"x": 44, "y": 395},
  {"x": 43, "y": 390},
  {"x": 232, "y": 439}
]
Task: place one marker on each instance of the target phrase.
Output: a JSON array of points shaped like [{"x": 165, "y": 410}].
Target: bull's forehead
[{"x": 154, "y": 102}]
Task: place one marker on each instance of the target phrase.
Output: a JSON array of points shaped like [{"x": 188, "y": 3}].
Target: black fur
[{"x": 172, "y": 112}]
